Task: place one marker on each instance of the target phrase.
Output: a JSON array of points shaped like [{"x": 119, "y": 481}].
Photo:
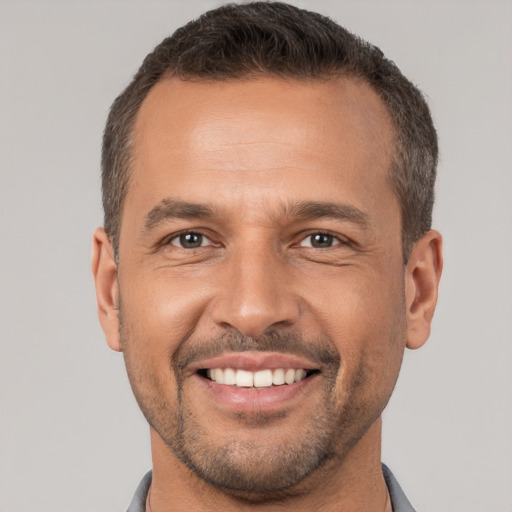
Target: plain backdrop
[{"x": 71, "y": 435}]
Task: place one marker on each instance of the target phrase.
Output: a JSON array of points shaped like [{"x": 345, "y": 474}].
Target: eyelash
[
  {"x": 178, "y": 236},
  {"x": 336, "y": 240}
]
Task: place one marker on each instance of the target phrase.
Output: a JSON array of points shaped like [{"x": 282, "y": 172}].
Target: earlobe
[
  {"x": 104, "y": 269},
  {"x": 423, "y": 272}
]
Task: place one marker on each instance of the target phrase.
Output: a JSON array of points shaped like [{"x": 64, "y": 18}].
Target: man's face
[{"x": 260, "y": 234}]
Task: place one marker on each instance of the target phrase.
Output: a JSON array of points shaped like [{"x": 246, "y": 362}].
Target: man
[{"x": 266, "y": 258}]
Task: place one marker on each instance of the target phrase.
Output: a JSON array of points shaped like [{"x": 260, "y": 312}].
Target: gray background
[{"x": 71, "y": 435}]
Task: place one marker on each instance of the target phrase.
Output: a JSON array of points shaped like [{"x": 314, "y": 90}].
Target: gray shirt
[{"x": 399, "y": 502}]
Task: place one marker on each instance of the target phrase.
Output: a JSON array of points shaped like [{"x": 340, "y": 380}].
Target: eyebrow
[
  {"x": 173, "y": 209},
  {"x": 169, "y": 209},
  {"x": 311, "y": 210}
]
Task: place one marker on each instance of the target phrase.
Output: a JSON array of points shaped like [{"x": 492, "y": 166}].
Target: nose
[{"x": 255, "y": 294}]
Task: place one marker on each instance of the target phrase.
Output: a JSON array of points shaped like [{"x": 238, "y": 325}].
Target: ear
[
  {"x": 422, "y": 275},
  {"x": 104, "y": 269}
]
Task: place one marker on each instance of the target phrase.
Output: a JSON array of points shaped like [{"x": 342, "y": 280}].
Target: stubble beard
[{"x": 244, "y": 469}]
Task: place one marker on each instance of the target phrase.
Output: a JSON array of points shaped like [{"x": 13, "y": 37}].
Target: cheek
[
  {"x": 356, "y": 302},
  {"x": 162, "y": 309},
  {"x": 159, "y": 313},
  {"x": 156, "y": 317},
  {"x": 363, "y": 314}
]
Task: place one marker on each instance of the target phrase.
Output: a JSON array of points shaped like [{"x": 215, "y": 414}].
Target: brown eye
[{"x": 190, "y": 240}]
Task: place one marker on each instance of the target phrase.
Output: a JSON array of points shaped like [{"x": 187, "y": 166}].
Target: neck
[{"x": 354, "y": 483}]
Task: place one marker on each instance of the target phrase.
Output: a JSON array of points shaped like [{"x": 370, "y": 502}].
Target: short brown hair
[{"x": 277, "y": 39}]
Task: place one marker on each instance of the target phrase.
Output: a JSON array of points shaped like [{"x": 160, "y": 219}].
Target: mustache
[{"x": 317, "y": 351}]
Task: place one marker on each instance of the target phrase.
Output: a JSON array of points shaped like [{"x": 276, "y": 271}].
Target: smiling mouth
[{"x": 256, "y": 380}]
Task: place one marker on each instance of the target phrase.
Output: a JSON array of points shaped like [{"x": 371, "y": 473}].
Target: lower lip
[{"x": 258, "y": 399}]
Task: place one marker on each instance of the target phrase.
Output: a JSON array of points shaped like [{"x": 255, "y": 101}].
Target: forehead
[
  {"x": 206, "y": 112},
  {"x": 256, "y": 134}
]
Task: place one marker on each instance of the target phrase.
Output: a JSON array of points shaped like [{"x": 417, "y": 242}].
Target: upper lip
[{"x": 254, "y": 361}]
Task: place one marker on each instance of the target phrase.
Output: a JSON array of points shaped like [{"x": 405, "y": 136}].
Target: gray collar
[{"x": 399, "y": 501}]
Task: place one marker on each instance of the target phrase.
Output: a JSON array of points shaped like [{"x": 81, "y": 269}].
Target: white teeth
[
  {"x": 229, "y": 376},
  {"x": 289, "y": 376},
  {"x": 244, "y": 379},
  {"x": 299, "y": 375},
  {"x": 219, "y": 375},
  {"x": 278, "y": 377},
  {"x": 263, "y": 379},
  {"x": 259, "y": 379}
]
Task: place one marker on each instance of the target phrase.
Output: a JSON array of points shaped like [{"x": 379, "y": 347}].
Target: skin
[{"x": 251, "y": 151}]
